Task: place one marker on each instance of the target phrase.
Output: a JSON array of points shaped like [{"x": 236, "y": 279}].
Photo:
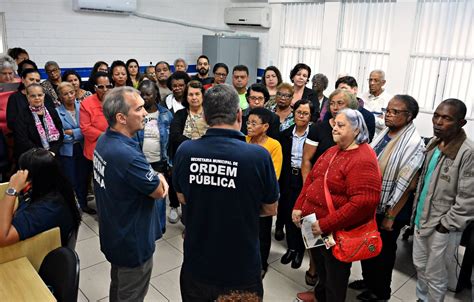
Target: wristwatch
[{"x": 11, "y": 192}]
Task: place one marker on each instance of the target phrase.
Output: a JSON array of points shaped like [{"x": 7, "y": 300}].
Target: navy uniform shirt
[
  {"x": 225, "y": 181},
  {"x": 32, "y": 218},
  {"x": 123, "y": 180}
]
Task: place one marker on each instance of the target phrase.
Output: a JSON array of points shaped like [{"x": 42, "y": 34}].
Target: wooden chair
[{"x": 34, "y": 248}]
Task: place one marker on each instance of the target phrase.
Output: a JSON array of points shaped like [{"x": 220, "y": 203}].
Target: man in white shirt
[{"x": 377, "y": 98}]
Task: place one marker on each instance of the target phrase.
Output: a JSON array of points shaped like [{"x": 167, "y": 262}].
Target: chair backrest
[
  {"x": 34, "y": 248},
  {"x": 60, "y": 270},
  {"x": 72, "y": 239}
]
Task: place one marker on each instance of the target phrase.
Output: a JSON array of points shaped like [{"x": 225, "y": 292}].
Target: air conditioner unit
[
  {"x": 105, "y": 6},
  {"x": 250, "y": 16}
]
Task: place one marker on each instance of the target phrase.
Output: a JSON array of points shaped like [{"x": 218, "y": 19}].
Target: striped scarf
[
  {"x": 399, "y": 161},
  {"x": 49, "y": 133}
]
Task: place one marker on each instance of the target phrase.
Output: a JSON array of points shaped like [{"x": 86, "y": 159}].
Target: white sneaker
[{"x": 173, "y": 216}]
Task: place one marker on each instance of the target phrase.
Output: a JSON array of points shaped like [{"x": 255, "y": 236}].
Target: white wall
[
  {"x": 260, "y": 33},
  {"x": 51, "y": 30}
]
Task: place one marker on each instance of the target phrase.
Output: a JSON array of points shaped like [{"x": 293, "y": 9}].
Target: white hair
[
  {"x": 356, "y": 120},
  {"x": 380, "y": 72}
]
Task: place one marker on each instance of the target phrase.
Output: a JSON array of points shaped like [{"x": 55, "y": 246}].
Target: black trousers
[
  {"x": 265, "y": 236},
  {"x": 286, "y": 203},
  {"x": 282, "y": 210},
  {"x": 333, "y": 276},
  {"x": 377, "y": 271},
  {"x": 174, "y": 203},
  {"x": 294, "y": 238},
  {"x": 196, "y": 291}
]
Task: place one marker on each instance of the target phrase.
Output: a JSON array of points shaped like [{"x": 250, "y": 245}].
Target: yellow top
[{"x": 274, "y": 148}]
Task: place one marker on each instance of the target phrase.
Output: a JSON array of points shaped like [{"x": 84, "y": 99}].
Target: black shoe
[
  {"x": 288, "y": 257},
  {"x": 311, "y": 280},
  {"x": 88, "y": 210},
  {"x": 358, "y": 285},
  {"x": 279, "y": 234},
  {"x": 370, "y": 297},
  {"x": 296, "y": 263}
]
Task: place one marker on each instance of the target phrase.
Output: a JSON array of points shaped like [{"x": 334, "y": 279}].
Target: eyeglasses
[
  {"x": 102, "y": 87},
  {"x": 256, "y": 98},
  {"x": 253, "y": 124},
  {"x": 393, "y": 111},
  {"x": 302, "y": 113},
  {"x": 52, "y": 70},
  {"x": 220, "y": 75},
  {"x": 284, "y": 95}
]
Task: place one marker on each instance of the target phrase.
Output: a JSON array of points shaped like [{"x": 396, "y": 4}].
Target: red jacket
[
  {"x": 92, "y": 123},
  {"x": 354, "y": 182},
  {"x": 3, "y": 110}
]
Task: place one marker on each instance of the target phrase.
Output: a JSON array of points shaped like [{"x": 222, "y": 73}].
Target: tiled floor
[{"x": 280, "y": 284}]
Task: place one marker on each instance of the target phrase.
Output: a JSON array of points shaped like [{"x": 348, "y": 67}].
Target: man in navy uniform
[
  {"x": 226, "y": 185},
  {"x": 126, "y": 187}
]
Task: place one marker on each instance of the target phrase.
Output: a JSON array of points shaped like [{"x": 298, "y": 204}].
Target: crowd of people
[{"x": 229, "y": 158}]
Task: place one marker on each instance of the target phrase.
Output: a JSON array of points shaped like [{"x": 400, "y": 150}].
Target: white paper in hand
[{"x": 309, "y": 239}]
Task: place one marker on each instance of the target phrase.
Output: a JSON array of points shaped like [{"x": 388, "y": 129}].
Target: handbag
[{"x": 360, "y": 243}]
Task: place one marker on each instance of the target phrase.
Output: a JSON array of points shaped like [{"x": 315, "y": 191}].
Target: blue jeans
[
  {"x": 77, "y": 169},
  {"x": 160, "y": 208}
]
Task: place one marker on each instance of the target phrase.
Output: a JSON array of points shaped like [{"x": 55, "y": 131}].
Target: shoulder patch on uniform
[{"x": 150, "y": 174}]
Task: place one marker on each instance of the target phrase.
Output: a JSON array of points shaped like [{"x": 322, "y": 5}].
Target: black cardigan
[
  {"x": 286, "y": 142},
  {"x": 17, "y": 103},
  {"x": 26, "y": 135},
  {"x": 176, "y": 131},
  {"x": 310, "y": 95}
]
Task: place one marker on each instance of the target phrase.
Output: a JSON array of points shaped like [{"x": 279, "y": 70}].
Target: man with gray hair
[
  {"x": 377, "y": 98},
  {"x": 126, "y": 187},
  {"x": 320, "y": 83},
  {"x": 226, "y": 189}
]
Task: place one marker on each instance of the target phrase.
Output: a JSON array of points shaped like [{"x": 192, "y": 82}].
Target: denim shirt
[
  {"x": 164, "y": 121},
  {"x": 67, "y": 147}
]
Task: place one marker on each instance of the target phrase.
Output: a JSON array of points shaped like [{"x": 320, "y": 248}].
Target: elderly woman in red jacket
[{"x": 354, "y": 182}]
